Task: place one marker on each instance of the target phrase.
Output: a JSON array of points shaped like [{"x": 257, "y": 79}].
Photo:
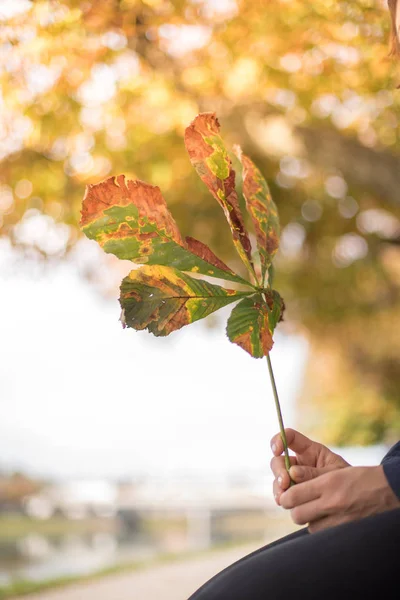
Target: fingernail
[
  {"x": 280, "y": 479},
  {"x": 273, "y": 447}
]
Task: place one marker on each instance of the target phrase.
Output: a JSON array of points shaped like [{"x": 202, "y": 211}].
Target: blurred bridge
[{"x": 199, "y": 503}]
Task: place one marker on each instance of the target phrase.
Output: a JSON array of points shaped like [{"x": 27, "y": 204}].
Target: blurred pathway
[{"x": 173, "y": 581}]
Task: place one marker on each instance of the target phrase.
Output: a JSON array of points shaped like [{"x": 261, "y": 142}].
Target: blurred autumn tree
[
  {"x": 93, "y": 88},
  {"x": 15, "y": 488}
]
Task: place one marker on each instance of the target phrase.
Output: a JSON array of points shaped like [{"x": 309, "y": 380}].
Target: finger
[
  {"x": 308, "y": 513},
  {"x": 277, "y": 464},
  {"x": 302, "y": 473},
  {"x": 296, "y": 441},
  {"x": 277, "y": 491},
  {"x": 283, "y": 480},
  {"x": 301, "y": 493},
  {"x": 276, "y": 445}
]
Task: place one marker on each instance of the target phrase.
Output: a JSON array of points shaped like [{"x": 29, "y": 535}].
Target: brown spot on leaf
[
  {"x": 244, "y": 342},
  {"x": 178, "y": 320},
  {"x": 283, "y": 308},
  {"x": 266, "y": 340},
  {"x": 203, "y": 251},
  {"x": 269, "y": 298},
  {"x": 272, "y": 243}
]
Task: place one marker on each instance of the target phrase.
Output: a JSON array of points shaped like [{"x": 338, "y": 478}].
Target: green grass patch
[
  {"x": 22, "y": 587},
  {"x": 14, "y": 527}
]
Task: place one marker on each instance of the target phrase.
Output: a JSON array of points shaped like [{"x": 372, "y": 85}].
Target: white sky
[{"x": 81, "y": 396}]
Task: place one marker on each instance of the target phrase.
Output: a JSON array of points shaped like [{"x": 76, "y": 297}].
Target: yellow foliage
[{"x": 306, "y": 87}]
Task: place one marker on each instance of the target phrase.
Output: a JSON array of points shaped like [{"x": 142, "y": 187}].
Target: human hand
[
  {"x": 339, "y": 496},
  {"x": 312, "y": 459}
]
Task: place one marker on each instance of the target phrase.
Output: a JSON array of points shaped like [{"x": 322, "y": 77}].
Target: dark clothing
[
  {"x": 391, "y": 468},
  {"x": 357, "y": 560},
  {"x": 350, "y": 561}
]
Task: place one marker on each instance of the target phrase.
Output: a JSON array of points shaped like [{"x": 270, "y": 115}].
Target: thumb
[{"x": 299, "y": 473}]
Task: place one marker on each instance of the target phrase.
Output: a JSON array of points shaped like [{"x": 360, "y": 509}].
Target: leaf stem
[{"x": 279, "y": 413}]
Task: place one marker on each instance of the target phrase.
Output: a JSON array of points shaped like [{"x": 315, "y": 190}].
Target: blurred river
[{"x": 40, "y": 557}]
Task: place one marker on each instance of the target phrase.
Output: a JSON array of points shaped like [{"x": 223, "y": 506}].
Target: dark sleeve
[{"x": 391, "y": 468}]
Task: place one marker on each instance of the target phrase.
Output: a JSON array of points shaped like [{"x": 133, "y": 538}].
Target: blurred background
[{"x": 116, "y": 446}]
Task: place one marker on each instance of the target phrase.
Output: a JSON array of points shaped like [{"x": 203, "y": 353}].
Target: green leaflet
[
  {"x": 211, "y": 161},
  {"x": 131, "y": 220},
  {"x": 262, "y": 210},
  {"x": 162, "y": 299},
  {"x": 252, "y": 323}
]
